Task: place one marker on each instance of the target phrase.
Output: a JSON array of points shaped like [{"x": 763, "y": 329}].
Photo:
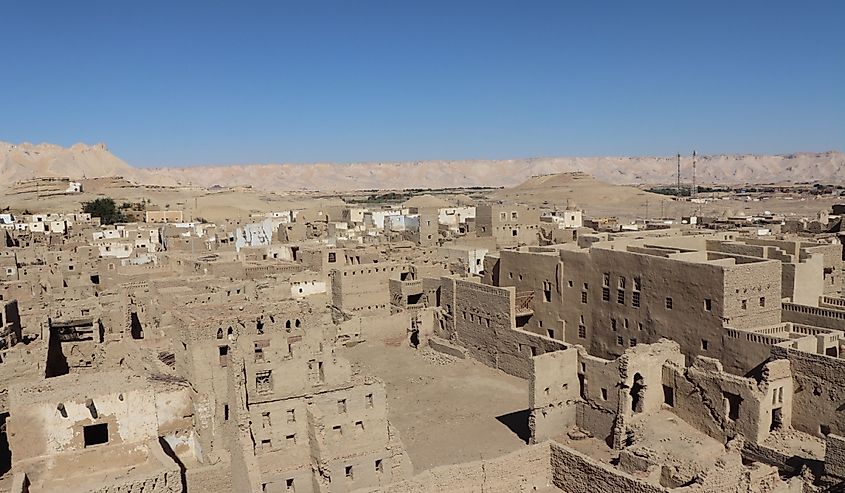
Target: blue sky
[{"x": 205, "y": 82}]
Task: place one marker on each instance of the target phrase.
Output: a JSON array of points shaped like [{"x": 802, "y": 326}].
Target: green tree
[{"x": 105, "y": 209}]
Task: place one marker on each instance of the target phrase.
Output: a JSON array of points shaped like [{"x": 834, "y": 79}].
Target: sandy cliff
[{"x": 26, "y": 160}]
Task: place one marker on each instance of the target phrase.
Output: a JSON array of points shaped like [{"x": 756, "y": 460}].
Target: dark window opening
[
  {"x": 5, "y": 451},
  {"x": 332, "y": 257},
  {"x": 824, "y": 430},
  {"x": 668, "y": 396},
  {"x": 95, "y": 434},
  {"x": 135, "y": 328},
  {"x": 637, "y": 393},
  {"x": 732, "y": 402},
  {"x": 95, "y": 279},
  {"x": 223, "y": 352},
  {"x": 777, "y": 419},
  {"x": 414, "y": 299}
]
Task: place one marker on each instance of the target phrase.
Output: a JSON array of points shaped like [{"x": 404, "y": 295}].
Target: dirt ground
[
  {"x": 447, "y": 410},
  {"x": 626, "y": 203}
]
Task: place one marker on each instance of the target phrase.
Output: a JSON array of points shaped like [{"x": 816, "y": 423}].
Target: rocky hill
[
  {"x": 79, "y": 161},
  {"x": 26, "y": 161}
]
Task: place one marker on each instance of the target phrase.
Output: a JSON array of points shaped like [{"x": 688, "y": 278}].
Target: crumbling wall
[
  {"x": 480, "y": 313},
  {"x": 362, "y": 289},
  {"x": 834, "y": 456},
  {"x": 575, "y": 472},
  {"x": 819, "y": 396},
  {"x": 723, "y": 405},
  {"x": 552, "y": 393},
  {"x": 527, "y": 469},
  {"x": 614, "y": 390},
  {"x": 244, "y": 467},
  {"x": 483, "y": 323},
  {"x": 165, "y": 480}
]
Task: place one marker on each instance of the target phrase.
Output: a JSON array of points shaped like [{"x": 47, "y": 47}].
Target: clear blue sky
[{"x": 201, "y": 82}]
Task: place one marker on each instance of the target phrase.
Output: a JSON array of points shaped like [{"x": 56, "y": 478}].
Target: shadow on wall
[{"x": 517, "y": 422}]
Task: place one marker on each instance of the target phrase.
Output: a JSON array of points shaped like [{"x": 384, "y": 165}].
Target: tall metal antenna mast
[
  {"x": 679, "y": 176},
  {"x": 694, "y": 187}
]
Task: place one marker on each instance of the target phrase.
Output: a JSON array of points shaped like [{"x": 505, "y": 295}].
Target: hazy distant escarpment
[{"x": 23, "y": 161}]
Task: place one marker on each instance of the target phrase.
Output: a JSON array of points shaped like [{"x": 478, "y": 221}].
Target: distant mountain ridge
[{"x": 23, "y": 161}]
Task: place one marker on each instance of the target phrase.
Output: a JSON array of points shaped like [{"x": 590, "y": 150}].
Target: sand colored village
[{"x": 559, "y": 335}]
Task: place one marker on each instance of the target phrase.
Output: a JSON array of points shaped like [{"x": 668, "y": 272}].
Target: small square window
[
  {"x": 705, "y": 344},
  {"x": 668, "y": 303},
  {"x": 744, "y": 304},
  {"x": 583, "y": 297},
  {"x": 620, "y": 341},
  {"x": 604, "y": 394},
  {"x": 762, "y": 301},
  {"x": 369, "y": 400},
  {"x": 582, "y": 332},
  {"x": 95, "y": 434}
]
